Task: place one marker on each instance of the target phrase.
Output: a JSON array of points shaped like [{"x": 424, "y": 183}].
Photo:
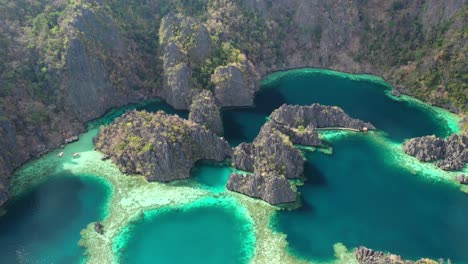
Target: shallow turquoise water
[
  {"x": 43, "y": 226},
  {"x": 211, "y": 234}
]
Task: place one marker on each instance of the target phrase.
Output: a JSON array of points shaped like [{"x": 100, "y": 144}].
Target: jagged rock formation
[
  {"x": 184, "y": 41},
  {"x": 368, "y": 256},
  {"x": 159, "y": 146},
  {"x": 318, "y": 116},
  {"x": 205, "y": 111},
  {"x": 275, "y": 152},
  {"x": 188, "y": 55},
  {"x": 273, "y": 189},
  {"x": 273, "y": 155},
  {"x": 449, "y": 154},
  {"x": 243, "y": 157}
]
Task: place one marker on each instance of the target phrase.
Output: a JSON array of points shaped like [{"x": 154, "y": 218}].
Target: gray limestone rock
[
  {"x": 159, "y": 146},
  {"x": 318, "y": 116},
  {"x": 274, "y": 189},
  {"x": 449, "y": 154},
  {"x": 368, "y": 256},
  {"x": 205, "y": 111}
]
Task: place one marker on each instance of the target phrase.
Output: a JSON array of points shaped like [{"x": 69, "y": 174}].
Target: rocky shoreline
[
  {"x": 368, "y": 256},
  {"x": 449, "y": 154}
]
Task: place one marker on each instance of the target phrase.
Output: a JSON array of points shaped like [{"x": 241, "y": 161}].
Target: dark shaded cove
[{"x": 43, "y": 225}]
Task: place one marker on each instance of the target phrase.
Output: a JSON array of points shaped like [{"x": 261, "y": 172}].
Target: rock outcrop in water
[
  {"x": 160, "y": 146},
  {"x": 449, "y": 154},
  {"x": 274, "y": 188},
  {"x": 273, "y": 156},
  {"x": 206, "y": 112},
  {"x": 317, "y": 116},
  {"x": 368, "y": 256},
  {"x": 187, "y": 45}
]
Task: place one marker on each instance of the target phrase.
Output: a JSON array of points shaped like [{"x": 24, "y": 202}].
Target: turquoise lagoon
[{"x": 363, "y": 194}]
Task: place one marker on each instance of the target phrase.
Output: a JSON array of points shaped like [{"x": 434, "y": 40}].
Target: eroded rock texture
[
  {"x": 206, "y": 112},
  {"x": 368, "y": 256},
  {"x": 160, "y": 146},
  {"x": 449, "y": 154}
]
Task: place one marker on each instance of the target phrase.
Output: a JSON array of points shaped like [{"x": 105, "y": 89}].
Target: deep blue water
[{"x": 43, "y": 226}]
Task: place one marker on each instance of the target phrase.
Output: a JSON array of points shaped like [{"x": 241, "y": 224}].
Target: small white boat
[
  {"x": 60, "y": 154},
  {"x": 76, "y": 155}
]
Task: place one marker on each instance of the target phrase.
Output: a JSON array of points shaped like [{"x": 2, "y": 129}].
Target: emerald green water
[
  {"x": 43, "y": 225},
  {"x": 212, "y": 233},
  {"x": 360, "y": 195}
]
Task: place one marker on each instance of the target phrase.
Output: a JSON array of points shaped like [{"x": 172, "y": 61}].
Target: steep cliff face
[
  {"x": 100, "y": 73},
  {"x": 274, "y": 189},
  {"x": 159, "y": 146},
  {"x": 272, "y": 157},
  {"x": 195, "y": 59}
]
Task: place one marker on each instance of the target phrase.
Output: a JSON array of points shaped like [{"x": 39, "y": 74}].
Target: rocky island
[
  {"x": 160, "y": 146},
  {"x": 272, "y": 157},
  {"x": 449, "y": 154},
  {"x": 368, "y": 256}
]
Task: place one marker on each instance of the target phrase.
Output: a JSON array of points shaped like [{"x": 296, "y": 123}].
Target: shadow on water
[
  {"x": 313, "y": 175},
  {"x": 43, "y": 225}
]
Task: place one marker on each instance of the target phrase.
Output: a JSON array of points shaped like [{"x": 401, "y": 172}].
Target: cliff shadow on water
[{"x": 43, "y": 225}]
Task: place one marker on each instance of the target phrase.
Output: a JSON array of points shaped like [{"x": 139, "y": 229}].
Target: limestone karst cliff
[
  {"x": 160, "y": 146},
  {"x": 449, "y": 154}
]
